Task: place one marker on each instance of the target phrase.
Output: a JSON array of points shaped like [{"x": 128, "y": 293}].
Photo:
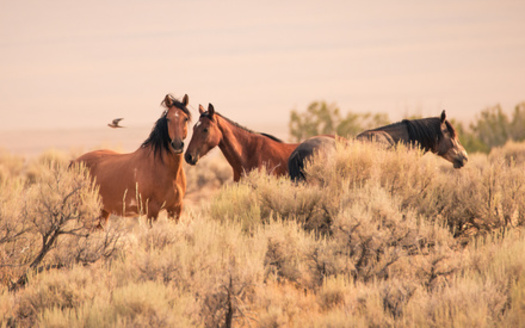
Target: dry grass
[{"x": 378, "y": 238}]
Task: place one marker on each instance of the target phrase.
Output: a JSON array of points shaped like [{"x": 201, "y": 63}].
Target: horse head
[
  {"x": 206, "y": 135},
  {"x": 177, "y": 117},
  {"x": 449, "y": 146}
]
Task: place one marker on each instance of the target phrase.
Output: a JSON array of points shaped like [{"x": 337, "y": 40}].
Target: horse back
[
  {"x": 377, "y": 136},
  {"x": 304, "y": 151},
  {"x": 92, "y": 159}
]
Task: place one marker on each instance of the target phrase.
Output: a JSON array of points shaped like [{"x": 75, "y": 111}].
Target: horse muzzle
[
  {"x": 190, "y": 159},
  {"x": 460, "y": 161},
  {"x": 177, "y": 146}
]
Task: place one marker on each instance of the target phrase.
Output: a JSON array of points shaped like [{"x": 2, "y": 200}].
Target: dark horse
[
  {"x": 244, "y": 150},
  {"x": 149, "y": 179},
  {"x": 434, "y": 134}
]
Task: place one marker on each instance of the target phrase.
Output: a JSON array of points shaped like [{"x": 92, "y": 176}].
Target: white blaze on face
[{"x": 198, "y": 123}]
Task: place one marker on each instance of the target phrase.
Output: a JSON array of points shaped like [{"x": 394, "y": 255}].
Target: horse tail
[{"x": 296, "y": 166}]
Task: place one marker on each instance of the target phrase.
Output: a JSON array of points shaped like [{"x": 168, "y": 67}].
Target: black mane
[
  {"x": 424, "y": 132},
  {"x": 206, "y": 114},
  {"x": 271, "y": 137},
  {"x": 159, "y": 138}
]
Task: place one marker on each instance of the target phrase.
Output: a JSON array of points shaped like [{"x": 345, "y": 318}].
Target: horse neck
[
  {"x": 236, "y": 144},
  {"x": 424, "y": 133},
  {"x": 171, "y": 161}
]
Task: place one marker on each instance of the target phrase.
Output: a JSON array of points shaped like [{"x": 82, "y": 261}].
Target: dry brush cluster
[
  {"x": 376, "y": 238},
  {"x": 47, "y": 216}
]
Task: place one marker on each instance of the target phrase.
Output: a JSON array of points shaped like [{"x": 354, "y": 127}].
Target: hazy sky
[{"x": 80, "y": 64}]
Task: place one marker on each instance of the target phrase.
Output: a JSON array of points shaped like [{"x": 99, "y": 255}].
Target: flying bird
[{"x": 115, "y": 122}]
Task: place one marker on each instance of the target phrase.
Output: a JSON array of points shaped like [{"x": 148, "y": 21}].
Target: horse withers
[
  {"x": 244, "y": 149},
  {"x": 149, "y": 179}
]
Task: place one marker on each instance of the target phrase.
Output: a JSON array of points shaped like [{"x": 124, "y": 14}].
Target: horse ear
[
  {"x": 185, "y": 100},
  {"x": 211, "y": 110},
  {"x": 201, "y": 109},
  {"x": 443, "y": 116},
  {"x": 168, "y": 101}
]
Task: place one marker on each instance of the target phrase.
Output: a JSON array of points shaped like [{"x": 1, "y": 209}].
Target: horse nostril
[{"x": 188, "y": 158}]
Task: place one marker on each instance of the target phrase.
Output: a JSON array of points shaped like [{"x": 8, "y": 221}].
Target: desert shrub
[
  {"x": 49, "y": 224},
  {"x": 352, "y": 235},
  {"x": 380, "y": 238},
  {"x": 479, "y": 198},
  {"x": 396, "y": 225},
  {"x": 280, "y": 198},
  {"x": 515, "y": 313},
  {"x": 14, "y": 230},
  {"x": 377, "y": 238},
  {"x": 284, "y": 305},
  {"x": 512, "y": 153},
  {"x": 38, "y": 167},
  {"x": 237, "y": 203},
  {"x": 215, "y": 262},
  {"x": 148, "y": 304},
  {"x": 211, "y": 172},
  {"x": 11, "y": 165},
  {"x": 484, "y": 293},
  {"x": 64, "y": 290},
  {"x": 288, "y": 254}
]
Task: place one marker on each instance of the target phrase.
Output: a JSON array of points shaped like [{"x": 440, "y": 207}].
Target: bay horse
[
  {"x": 152, "y": 177},
  {"x": 434, "y": 134},
  {"x": 244, "y": 149}
]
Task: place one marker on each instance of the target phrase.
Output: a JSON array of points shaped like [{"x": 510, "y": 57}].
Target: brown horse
[
  {"x": 245, "y": 150},
  {"x": 434, "y": 134},
  {"x": 149, "y": 179}
]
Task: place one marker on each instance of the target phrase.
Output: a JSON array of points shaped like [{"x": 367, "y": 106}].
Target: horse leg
[
  {"x": 174, "y": 213},
  {"x": 153, "y": 212}
]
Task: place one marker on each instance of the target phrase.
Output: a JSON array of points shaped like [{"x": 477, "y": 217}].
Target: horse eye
[{"x": 205, "y": 130}]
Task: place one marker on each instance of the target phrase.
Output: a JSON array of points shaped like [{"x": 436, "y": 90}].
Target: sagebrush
[{"x": 376, "y": 238}]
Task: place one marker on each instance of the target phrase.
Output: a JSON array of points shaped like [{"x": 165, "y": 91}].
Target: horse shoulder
[{"x": 276, "y": 155}]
